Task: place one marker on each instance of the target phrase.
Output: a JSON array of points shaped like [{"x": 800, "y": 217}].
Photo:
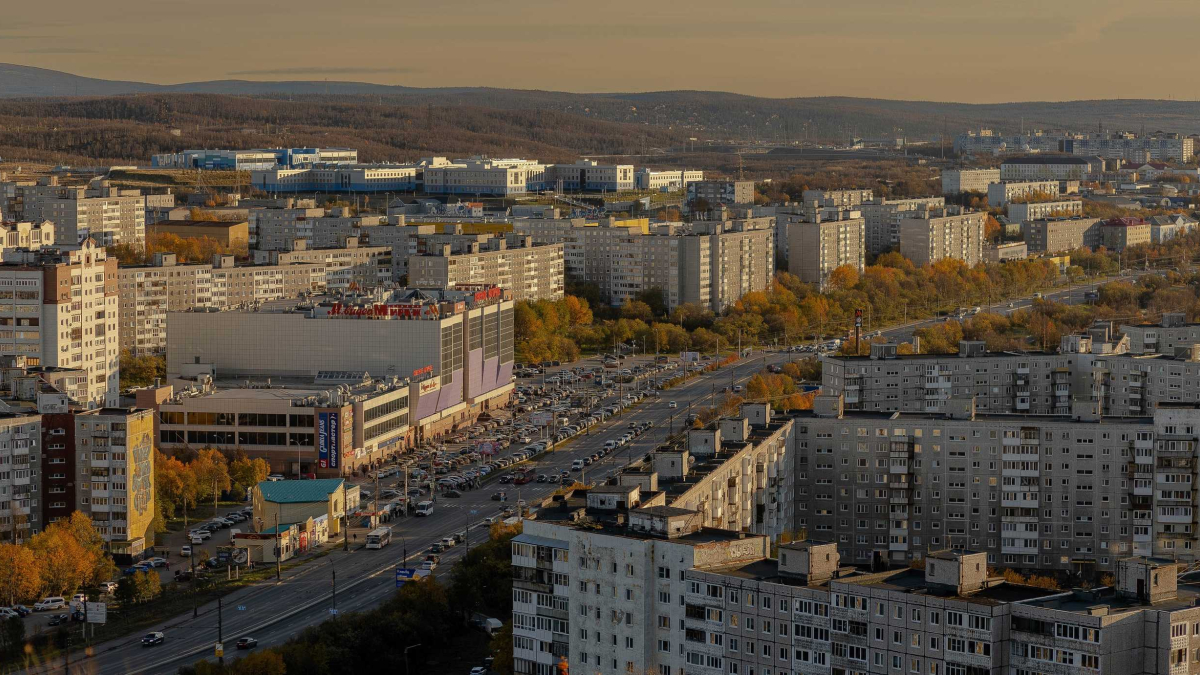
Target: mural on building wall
[{"x": 141, "y": 475}]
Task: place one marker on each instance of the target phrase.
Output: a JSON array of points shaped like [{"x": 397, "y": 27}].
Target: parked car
[
  {"x": 21, "y": 610},
  {"x": 59, "y": 619},
  {"x": 155, "y": 638},
  {"x": 108, "y": 586},
  {"x": 157, "y": 562},
  {"x": 185, "y": 550},
  {"x": 6, "y": 613},
  {"x": 246, "y": 643},
  {"x": 49, "y": 603}
]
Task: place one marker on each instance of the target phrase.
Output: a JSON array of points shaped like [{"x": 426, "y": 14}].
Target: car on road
[
  {"x": 429, "y": 565},
  {"x": 672, "y": 404},
  {"x": 246, "y": 643},
  {"x": 448, "y": 542},
  {"x": 155, "y": 638},
  {"x": 436, "y": 547},
  {"x": 134, "y": 569},
  {"x": 455, "y": 494},
  {"x": 185, "y": 550},
  {"x": 203, "y": 534},
  {"x": 499, "y": 496}
]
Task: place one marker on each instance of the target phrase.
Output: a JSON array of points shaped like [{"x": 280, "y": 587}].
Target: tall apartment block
[
  {"x": 107, "y": 215},
  {"x": 883, "y": 216},
  {"x": 957, "y": 181},
  {"x": 530, "y": 272},
  {"x": 832, "y": 239},
  {"x": 115, "y": 479},
  {"x": 278, "y": 229},
  {"x": 1057, "y": 492},
  {"x": 727, "y": 192},
  {"x": 843, "y": 199},
  {"x": 926, "y": 240},
  {"x": 58, "y": 308},
  {"x": 20, "y": 476}
]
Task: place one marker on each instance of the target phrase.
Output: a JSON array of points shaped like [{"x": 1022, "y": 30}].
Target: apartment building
[
  {"x": 1166, "y": 228},
  {"x": 1060, "y": 234},
  {"x": 60, "y": 310},
  {"x": 1158, "y": 147},
  {"x": 816, "y": 249},
  {"x": 882, "y": 219},
  {"x": 713, "y": 263},
  {"x": 1067, "y": 208},
  {"x": 348, "y": 266},
  {"x": 716, "y": 192},
  {"x": 1170, "y": 334},
  {"x": 107, "y": 215},
  {"x": 844, "y": 199},
  {"x": 529, "y": 272},
  {"x": 254, "y": 160},
  {"x": 958, "y": 181},
  {"x": 1118, "y": 234},
  {"x": 1049, "y": 167},
  {"x": 1070, "y": 492},
  {"x": 26, "y": 235},
  {"x": 1000, "y": 194},
  {"x": 147, "y": 293},
  {"x": 115, "y": 478},
  {"x": 588, "y": 175},
  {"x": 665, "y": 179},
  {"x": 20, "y": 497},
  {"x": 926, "y": 240},
  {"x": 278, "y": 228}
]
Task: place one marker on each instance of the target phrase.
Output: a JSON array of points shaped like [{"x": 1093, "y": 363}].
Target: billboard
[
  {"x": 540, "y": 418},
  {"x": 689, "y": 357},
  {"x": 96, "y": 612},
  {"x": 329, "y": 437}
]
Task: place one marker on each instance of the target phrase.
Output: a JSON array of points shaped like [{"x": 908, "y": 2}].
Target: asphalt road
[{"x": 274, "y": 611}]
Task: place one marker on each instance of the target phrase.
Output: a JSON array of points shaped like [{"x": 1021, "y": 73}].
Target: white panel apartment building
[
  {"x": 482, "y": 177},
  {"x": 816, "y": 249},
  {"x": 666, "y": 179},
  {"x": 59, "y": 308},
  {"x": 20, "y": 476},
  {"x": 883, "y": 216},
  {"x": 926, "y": 240},
  {"x": 107, "y": 215},
  {"x": 1000, "y": 194},
  {"x": 530, "y": 272},
  {"x": 957, "y": 181},
  {"x": 277, "y": 229},
  {"x": 1067, "y": 208}
]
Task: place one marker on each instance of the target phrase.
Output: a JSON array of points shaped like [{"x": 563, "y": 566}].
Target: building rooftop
[
  {"x": 299, "y": 491},
  {"x": 1087, "y": 601},
  {"x": 1047, "y": 159},
  {"x": 913, "y": 581}
]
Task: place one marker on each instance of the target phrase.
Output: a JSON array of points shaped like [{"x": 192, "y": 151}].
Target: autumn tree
[
  {"x": 212, "y": 473},
  {"x": 20, "y": 577},
  {"x": 843, "y": 278},
  {"x": 246, "y": 473}
]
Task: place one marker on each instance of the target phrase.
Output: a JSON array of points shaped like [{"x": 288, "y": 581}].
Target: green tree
[
  {"x": 246, "y": 473},
  {"x": 501, "y": 647}
]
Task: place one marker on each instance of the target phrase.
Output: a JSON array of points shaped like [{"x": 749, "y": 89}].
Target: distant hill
[{"x": 705, "y": 115}]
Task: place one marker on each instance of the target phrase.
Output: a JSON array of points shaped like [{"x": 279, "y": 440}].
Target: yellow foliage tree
[{"x": 20, "y": 577}]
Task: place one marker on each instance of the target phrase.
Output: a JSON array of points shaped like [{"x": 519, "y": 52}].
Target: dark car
[
  {"x": 59, "y": 619},
  {"x": 452, "y": 493},
  {"x": 541, "y": 478},
  {"x": 247, "y": 643},
  {"x": 498, "y": 496},
  {"x": 21, "y": 610},
  {"x": 151, "y": 639}
]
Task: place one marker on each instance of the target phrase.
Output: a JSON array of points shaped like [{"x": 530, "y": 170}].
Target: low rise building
[
  {"x": 1021, "y": 211},
  {"x": 1061, "y": 234},
  {"x": 1118, "y": 234},
  {"x": 666, "y": 179},
  {"x": 33, "y": 236},
  {"x": 1166, "y": 228},
  {"x": 1000, "y": 194},
  {"x": 1004, "y": 252},
  {"x": 349, "y": 178},
  {"x": 1049, "y": 167},
  {"x": 232, "y": 234},
  {"x": 588, "y": 175},
  {"x": 254, "y": 160},
  {"x": 958, "y": 181},
  {"x": 280, "y": 506}
]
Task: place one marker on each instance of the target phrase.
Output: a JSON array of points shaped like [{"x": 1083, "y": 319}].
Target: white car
[
  {"x": 6, "y": 613},
  {"x": 672, "y": 404},
  {"x": 52, "y": 602}
]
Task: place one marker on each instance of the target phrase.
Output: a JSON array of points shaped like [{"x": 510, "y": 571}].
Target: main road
[{"x": 276, "y": 610}]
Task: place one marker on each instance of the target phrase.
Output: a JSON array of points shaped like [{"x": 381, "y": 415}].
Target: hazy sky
[{"x": 960, "y": 50}]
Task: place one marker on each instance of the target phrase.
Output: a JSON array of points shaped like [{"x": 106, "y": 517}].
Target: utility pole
[
  {"x": 278, "y": 549},
  {"x": 192, "y": 557},
  {"x": 220, "y": 632},
  {"x": 406, "y": 656},
  {"x": 333, "y": 576}
]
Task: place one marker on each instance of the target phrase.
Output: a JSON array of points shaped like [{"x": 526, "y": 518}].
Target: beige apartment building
[
  {"x": 26, "y": 235},
  {"x": 1000, "y": 194},
  {"x": 1060, "y": 234},
  {"x": 115, "y": 482},
  {"x": 148, "y": 292},
  {"x": 1067, "y": 208},
  {"x": 1073, "y": 492},
  {"x": 815, "y": 249},
  {"x": 529, "y": 272},
  {"x": 58, "y": 308},
  {"x": 926, "y": 240},
  {"x": 347, "y": 267},
  {"x": 957, "y": 181},
  {"x": 882, "y": 219},
  {"x": 1118, "y": 234}
]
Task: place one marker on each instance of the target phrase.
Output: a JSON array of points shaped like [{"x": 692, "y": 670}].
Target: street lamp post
[{"x": 406, "y": 656}]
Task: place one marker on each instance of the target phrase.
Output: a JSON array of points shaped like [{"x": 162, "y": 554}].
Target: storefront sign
[
  {"x": 329, "y": 440},
  {"x": 406, "y": 311}
]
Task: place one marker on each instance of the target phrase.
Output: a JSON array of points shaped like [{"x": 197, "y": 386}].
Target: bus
[
  {"x": 379, "y": 537},
  {"x": 523, "y": 476}
]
